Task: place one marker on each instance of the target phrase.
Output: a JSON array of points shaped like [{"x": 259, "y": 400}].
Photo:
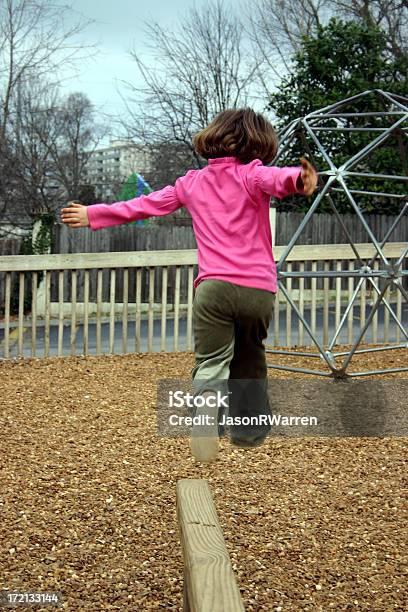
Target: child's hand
[
  {"x": 309, "y": 176},
  {"x": 76, "y": 215}
]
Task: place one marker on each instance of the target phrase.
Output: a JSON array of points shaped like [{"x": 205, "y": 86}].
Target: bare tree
[
  {"x": 34, "y": 39},
  {"x": 48, "y": 149},
  {"x": 75, "y": 139},
  {"x": 390, "y": 15},
  {"x": 37, "y": 40},
  {"x": 200, "y": 69},
  {"x": 167, "y": 160},
  {"x": 23, "y": 187},
  {"x": 276, "y": 28}
]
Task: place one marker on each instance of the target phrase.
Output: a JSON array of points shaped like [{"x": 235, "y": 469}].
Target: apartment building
[{"x": 110, "y": 166}]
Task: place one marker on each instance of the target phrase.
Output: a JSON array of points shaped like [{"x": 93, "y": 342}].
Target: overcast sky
[{"x": 118, "y": 27}]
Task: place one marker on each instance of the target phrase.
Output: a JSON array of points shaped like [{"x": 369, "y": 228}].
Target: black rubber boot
[{"x": 249, "y": 402}]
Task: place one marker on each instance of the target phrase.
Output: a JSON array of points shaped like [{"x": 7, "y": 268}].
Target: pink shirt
[{"x": 229, "y": 205}]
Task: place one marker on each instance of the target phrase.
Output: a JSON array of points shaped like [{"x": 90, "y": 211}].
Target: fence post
[{"x": 41, "y": 291}]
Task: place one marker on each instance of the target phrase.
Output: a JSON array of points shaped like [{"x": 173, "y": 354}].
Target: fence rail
[
  {"x": 73, "y": 303},
  {"x": 321, "y": 229}
]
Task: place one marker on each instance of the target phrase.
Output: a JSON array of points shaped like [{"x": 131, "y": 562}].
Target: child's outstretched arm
[
  {"x": 98, "y": 216},
  {"x": 281, "y": 182}
]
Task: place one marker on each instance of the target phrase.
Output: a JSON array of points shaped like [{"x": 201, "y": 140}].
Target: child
[{"x": 235, "y": 289}]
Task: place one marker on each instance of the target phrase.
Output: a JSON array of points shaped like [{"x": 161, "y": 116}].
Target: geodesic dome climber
[{"x": 350, "y": 143}]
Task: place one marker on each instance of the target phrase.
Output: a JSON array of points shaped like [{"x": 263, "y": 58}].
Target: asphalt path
[{"x": 118, "y": 346}]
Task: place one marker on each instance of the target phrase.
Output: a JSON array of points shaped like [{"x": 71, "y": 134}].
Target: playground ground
[{"x": 87, "y": 497}]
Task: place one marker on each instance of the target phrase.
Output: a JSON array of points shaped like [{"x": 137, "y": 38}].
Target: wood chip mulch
[{"x": 87, "y": 496}]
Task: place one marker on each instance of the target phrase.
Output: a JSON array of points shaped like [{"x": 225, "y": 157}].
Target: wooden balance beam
[{"x": 209, "y": 582}]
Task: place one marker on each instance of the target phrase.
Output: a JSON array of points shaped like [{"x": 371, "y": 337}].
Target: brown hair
[{"x": 240, "y": 133}]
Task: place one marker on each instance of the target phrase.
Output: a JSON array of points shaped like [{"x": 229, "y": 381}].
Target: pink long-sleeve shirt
[{"x": 229, "y": 205}]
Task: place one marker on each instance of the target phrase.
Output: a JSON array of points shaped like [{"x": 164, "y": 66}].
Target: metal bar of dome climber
[
  {"x": 380, "y": 252},
  {"x": 404, "y": 253},
  {"x": 303, "y": 223},
  {"x": 372, "y": 372},
  {"x": 286, "y": 129},
  {"x": 309, "y": 330},
  {"x": 373, "y": 275},
  {"x": 396, "y": 265},
  {"x": 322, "y": 128},
  {"x": 374, "y": 308},
  {"x": 393, "y": 273},
  {"x": 389, "y": 231},
  {"x": 398, "y": 283},
  {"x": 384, "y": 176},
  {"x": 363, "y": 221},
  {"x": 368, "y": 114},
  {"x": 283, "y": 149},
  {"x": 369, "y": 350},
  {"x": 334, "y": 274},
  {"x": 346, "y": 312},
  {"x": 336, "y": 212},
  {"x": 393, "y": 95},
  {"x": 388, "y": 97},
  {"x": 319, "y": 146},
  {"x": 349, "y": 306},
  {"x": 361, "y": 273},
  {"x": 300, "y": 370},
  {"x": 339, "y": 103},
  {"x": 397, "y": 196},
  {"x": 371, "y": 146},
  {"x": 390, "y": 310}
]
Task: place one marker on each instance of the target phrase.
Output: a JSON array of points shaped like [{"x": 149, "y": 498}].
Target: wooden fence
[
  {"x": 9, "y": 246},
  {"x": 321, "y": 229},
  {"x": 325, "y": 229},
  {"x": 96, "y": 317}
]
